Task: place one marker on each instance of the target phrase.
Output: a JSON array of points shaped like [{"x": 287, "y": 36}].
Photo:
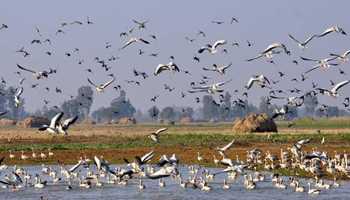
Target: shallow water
[{"x": 264, "y": 190}]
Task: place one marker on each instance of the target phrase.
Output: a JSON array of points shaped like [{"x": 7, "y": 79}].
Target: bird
[
  {"x": 38, "y": 75},
  {"x": 302, "y": 45},
  {"x": 17, "y": 97},
  {"x": 101, "y": 87},
  {"x": 335, "y": 29},
  {"x": 134, "y": 40},
  {"x": 261, "y": 80},
  {"x": 333, "y": 92},
  {"x": 53, "y": 126},
  {"x": 322, "y": 63},
  {"x": 226, "y": 147},
  {"x": 270, "y": 51},
  {"x": 211, "y": 89},
  {"x": 140, "y": 25},
  {"x": 212, "y": 48},
  {"x": 63, "y": 127},
  {"x": 220, "y": 69},
  {"x": 171, "y": 66},
  {"x": 155, "y": 135}
]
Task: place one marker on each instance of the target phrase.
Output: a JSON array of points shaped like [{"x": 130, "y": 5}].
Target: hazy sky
[{"x": 261, "y": 22}]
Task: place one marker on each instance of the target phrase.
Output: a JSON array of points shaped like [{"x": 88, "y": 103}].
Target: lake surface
[{"x": 264, "y": 190}]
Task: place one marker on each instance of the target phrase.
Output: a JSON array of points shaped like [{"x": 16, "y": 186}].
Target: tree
[
  {"x": 167, "y": 113},
  {"x": 310, "y": 104},
  {"x": 153, "y": 112},
  {"x": 210, "y": 109}
]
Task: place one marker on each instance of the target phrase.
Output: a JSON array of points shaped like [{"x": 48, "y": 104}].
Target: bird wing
[
  {"x": 312, "y": 69},
  {"x": 229, "y": 145},
  {"x": 207, "y": 69},
  {"x": 72, "y": 169},
  {"x": 91, "y": 82},
  {"x": 339, "y": 85},
  {"x": 132, "y": 40},
  {"x": 161, "y": 130},
  {"x": 257, "y": 57},
  {"x": 309, "y": 39},
  {"x": 250, "y": 83},
  {"x": 56, "y": 119},
  {"x": 308, "y": 59},
  {"x": 25, "y": 69},
  {"x": 147, "y": 157},
  {"x": 144, "y": 41},
  {"x": 326, "y": 32},
  {"x": 202, "y": 49},
  {"x": 19, "y": 92},
  {"x": 160, "y": 68},
  {"x": 69, "y": 121},
  {"x": 293, "y": 38},
  {"x": 108, "y": 83},
  {"x": 218, "y": 43},
  {"x": 222, "y": 83}
]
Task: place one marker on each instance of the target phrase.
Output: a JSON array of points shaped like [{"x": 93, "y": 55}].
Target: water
[{"x": 264, "y": 190}]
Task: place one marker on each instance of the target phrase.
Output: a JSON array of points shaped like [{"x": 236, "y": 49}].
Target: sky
[{"x": 260, "y": 22}]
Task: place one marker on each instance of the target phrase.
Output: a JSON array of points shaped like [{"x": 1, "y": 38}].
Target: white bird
[
  {"x": 302, "y": 44},
  {"x": 101, "y": 87},
  {"x": 18, "y": 94},
  {"x": 38, "y": 75},
  {"x": 220, "y": 69},
  {"x": 211, "y": 89},
  {"x": 155, "y": 135},
  {"x": 226, "y": 147},
  {"x": 53, "y": 127},
  {"x": 270, "y": 51},
  {"x": 171, "y": 66},
  {"x": 212, "y": 48},
  {"x": 335, "y": 29},
  {"x": 334, "y": 91},
  {"x": 322, "y": 63},
  {"x": 134, "y": 40},
  {"x": 261, "y": 80}
]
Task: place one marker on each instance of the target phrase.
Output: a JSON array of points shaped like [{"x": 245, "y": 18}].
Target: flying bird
[
  {"x": 155, "y": 135},
  {"x": 134, "y": 40},
  {"x": 101, "y": 87},
  {"x": 212, "y": 48}
]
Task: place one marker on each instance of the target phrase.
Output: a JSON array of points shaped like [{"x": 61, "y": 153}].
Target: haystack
[
  {"x": 34, "y": 122},
  {"x": 7, "y": 122},
  {"x": 127, "y": 121},
  {"x": 255, "y": 123}
]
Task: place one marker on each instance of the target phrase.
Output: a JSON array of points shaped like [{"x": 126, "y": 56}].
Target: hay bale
[
  {"x": 255, "y": 123},
  {"x": 127, "y": 120},
  {"x": 34, "y": 122},
  {"x": 7, "y": 122},
  {"x": 186, "y": 120}
]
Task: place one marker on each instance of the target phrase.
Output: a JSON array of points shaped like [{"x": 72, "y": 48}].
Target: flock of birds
[
  {"x": 293, "y": 97},
  {"x": 97, "y": 172}
]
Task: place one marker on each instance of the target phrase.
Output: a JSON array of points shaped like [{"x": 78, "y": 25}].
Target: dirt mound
[
  {"x": 186, "y": 120},
  {"x": 34, "y": 122},
  {"x": 127, "y": 120},
  {"x": 255, "y": 123},
  {"x": 7, "y": 122}
]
